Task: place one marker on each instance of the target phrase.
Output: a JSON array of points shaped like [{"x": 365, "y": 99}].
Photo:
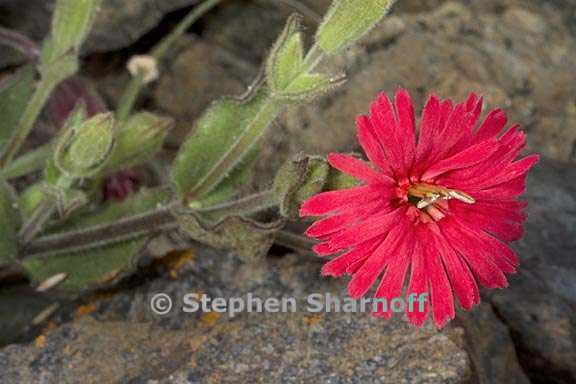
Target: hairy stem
[
  {"x": 143, "y": 224},
  {"x": 267, "y": 114},
  {"x": 101, "y": 235},
  {"x": 245, "y": 206}
]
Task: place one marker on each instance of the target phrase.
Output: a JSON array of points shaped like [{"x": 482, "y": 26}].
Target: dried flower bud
[{"x": 146, "y": 65}]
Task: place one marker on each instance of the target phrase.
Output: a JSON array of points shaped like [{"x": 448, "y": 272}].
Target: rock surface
[
  {"x": 519, "y": 58},
  {"x": 123, "y": 341},
  {"x": 119, "y": 23},
  {"x": 539, "y": 307}
]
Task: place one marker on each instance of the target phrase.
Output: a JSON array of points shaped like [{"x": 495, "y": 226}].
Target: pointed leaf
[
  {"x": 215, "y": 133},
  {"x": 15, "y": 93},
  {"x": 72, "y": 22},
  {"x": 285, "y": 60},
  {"x": 349, "y": 20}
]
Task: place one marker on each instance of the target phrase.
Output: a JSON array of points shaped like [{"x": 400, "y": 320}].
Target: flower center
[{"x": 429, "y": 197}]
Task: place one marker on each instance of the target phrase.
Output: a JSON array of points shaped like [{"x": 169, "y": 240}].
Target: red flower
[{"x": 437, "y": 210}]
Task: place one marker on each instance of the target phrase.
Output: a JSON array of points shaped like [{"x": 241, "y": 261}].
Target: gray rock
[
  {"x": 491, "y": 347},
  {"x": 119, "y": 22},
  {"x": 540, "y": 304},
  {"x": 122, "y": 341},
  {"x": 524, "y": 67}
]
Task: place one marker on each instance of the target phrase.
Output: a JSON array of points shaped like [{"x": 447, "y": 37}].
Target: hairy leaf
[
  {"x": 15, "y": 93},
  {"x": 249, "y": 239},
  {"x": 72, "y": 22},
  {"x": 215, "y": 133},
  {"x": 349, "y": 20},
  {"x": 138, "y": 139},
  {"x": 285, "y": 60}
]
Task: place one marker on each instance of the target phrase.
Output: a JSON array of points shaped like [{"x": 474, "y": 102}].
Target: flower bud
[
  {"x": 297, "y": 180},
  {"x": 349, "y": 20},
  {"x": 137, "y": 140},
  {"x": 84, "y": 148}
]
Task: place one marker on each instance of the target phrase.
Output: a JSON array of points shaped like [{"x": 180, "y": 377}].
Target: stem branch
[{"x": 136, "y": 226}]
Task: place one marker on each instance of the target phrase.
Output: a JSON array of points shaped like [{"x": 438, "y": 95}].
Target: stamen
[
  {"x": 428, "y": 200},
  {"x": 461, "y": 196},
  {"x": 429, "y": 194}
]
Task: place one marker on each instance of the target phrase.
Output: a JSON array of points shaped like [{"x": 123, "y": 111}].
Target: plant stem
[
  {"x": 128, "y": 98},
  {"x": 102, "y": 235},
  {"x": 242, "y": 207},
  {"x": 36, "y": 222},
  {"x": 28, "y": 120},
  {"x": 267, "y": 114},
  {"x": 132, "y": 227},
  {"x": 131, "y": 92}
]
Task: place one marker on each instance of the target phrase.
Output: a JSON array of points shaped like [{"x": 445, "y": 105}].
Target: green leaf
[
  {"x": 140, "y": 138},
  {"x": 101, "y": 265},
  {"x": 349, "y": 20},
  {"x": 309, "y": 86},
  {"x": 215, "y": 133},
  {"x": 249, "y": 239},
  {"x": 298, "y": 180},
  {"x": 15, "y": 93},
  {"x": 72, "y": 22},
  {"x": 9, "y": 222},
  {"x": 230, "y": 186},
  {"x": 87, "y": 269},
  {"x": 285, "y": 60}
]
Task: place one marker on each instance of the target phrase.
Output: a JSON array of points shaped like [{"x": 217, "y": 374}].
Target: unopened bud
[
  {"x": 85, "y": 148},
  {"x": 138, "y": 139}
]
